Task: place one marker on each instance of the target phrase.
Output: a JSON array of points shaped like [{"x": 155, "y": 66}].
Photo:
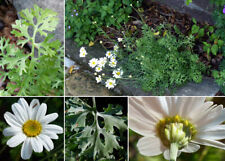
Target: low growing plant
[
  {"x": 39, "y": 72},
  {"x": 83, "y": 17}
]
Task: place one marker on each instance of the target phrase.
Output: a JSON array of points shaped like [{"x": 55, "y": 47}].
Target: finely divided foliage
[
  {"x": 39, "y": 72},
  {"x": 87, "y": 131}
]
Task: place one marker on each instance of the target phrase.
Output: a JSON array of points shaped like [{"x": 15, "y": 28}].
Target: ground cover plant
[
  {"x": 36, "y": 71},
  {"x": 96, "y": 129},
  {"x": 184, "y": 50}
]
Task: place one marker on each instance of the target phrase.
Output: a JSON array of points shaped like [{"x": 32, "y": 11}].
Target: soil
[{"x": 155, "y": 14}]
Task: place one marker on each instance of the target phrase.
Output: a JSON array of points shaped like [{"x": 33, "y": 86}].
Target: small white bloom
[
  {"x": 109, "y": 54},
  {"x": 120, "y": 39},
  {"x": 102, "y": 62},
  {"x": 82, "y": 49},
  {"x": 100, "y": 42},
  {"x": 113, "y": 58},
  {"x": 115, "y": 48},
  {"x": 93, "y": 62},
  {"x": 95, "y": 73},
  {"x": 117, "y": 73},
  {"x": 83, "y": 52},
  {"x": 110, "y": 83},
  {"x": 98, "y": 69},
  {"x": 30, "y": 126},
  {"x": 98, "y": 79},
  {"x": 113, "y": 63},
  {"x": 103, "y": 74},
  {"x": 130, "y": 76}
]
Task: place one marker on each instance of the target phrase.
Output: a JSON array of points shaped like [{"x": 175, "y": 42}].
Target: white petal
[
  {"x": 10, "y": 131},
  {"x": 36, "y": 144},
  {"x": 213, "y": 133},
  {"x": 41, "y": 111},
  {"x": 150, "y": 146},
  {"x": 47, "y": 142},
  {"x": 19, "y": 112},
  {"x": 212, "y": 143},
  {"x": 49, "y": 118},
  {"x": 53, "y": 128},
  {"x": 166, "y": 154},
  {"x": 12, "y": 120},
  {"x": 26, "y": 107},
  {"x": 141, "y": 127},
  {"x": 52, "y": 135},
  {"x": 26, "y": 150},
  {"x": 191, "y": 148},
  {"x": 34, "y": 103},
  {"x": 16, "y": 140}
]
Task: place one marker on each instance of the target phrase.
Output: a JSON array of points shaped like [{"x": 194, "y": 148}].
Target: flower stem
[{"x": 173, "y": 151}]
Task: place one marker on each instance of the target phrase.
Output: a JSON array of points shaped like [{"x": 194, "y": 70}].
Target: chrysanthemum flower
[
  {"x": 117, "y": 73},
  {"x": 83, "y": 52},
  {"x": 93, "y": 62},
  {"x": 30, "y": 125},
  {"x": 102, "y": 62},
  {"x": 113, "y": 63},
  {"x": 171, "y": 125},
  {"x": 98, "y": 79},
  {"x": 109, "y": 54},
  {"x": 98, "y": 69},
  {"x": 110, "y": 83}
]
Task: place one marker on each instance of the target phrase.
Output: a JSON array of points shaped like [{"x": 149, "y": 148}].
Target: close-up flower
[
  {"x": 110, "y": 83},
  {"x": 93, "y": 62},
  {"x": 98, "y": 79},
  {"x": 113, "y": 63},
  {"x": 171, "y": 125},
  {"x": 29, "y": 126},
  {"x": 117, "y": 73}
]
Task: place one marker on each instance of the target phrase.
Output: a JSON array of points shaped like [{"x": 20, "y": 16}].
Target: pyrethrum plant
[
  {"x": 93, "y": 135},
  {"x": 39, "y": 72}
]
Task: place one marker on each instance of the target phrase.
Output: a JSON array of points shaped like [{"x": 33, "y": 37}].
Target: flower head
[
  {"x": 117, "y": 73},
  {"x": 93, "y": 62},
  {"x": 110, "y": 83},
  {"x": 102, "y": 62},
  {"x": 171, "y": 125},
  {"x": 113, "y": 63},
  {"x": 98, "y": 79},
  {"x": 120, "y": 39},
  {"x": 116, "y": 47},
  {"x": 98, "y": 69},
  {"x": 109, "y": 54},
  {"x": 30, "y": 125},
  {"x": 83, "y": 52}
]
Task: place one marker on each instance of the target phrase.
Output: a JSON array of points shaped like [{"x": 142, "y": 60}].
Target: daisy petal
[
  {"x": 191, "y": 148},
  {"x": 150, "y": 146},
  {"x": 52, "y": 135},
  {"x": 10, "y": 131},
  {"x": 26, "y": 150},
  {"x": 11, "y": 120},
  {"x": 166, "y": 154},
  {"x": 19, "y": 112},
  {"x": 212, "y": 143},
  {"x": 47, "y": 142},
  {"x": 34, "y": 104},
  {"x": 214, "y": 133},
  {"x": 16, "y": 140},
  {"x": 54, "y": 128},
  {"x": 41, "y": 112},
  {"x": 36, "y": 144},
  {"x": 25, "y": 106},
  {"x": 49, "y": 118}
]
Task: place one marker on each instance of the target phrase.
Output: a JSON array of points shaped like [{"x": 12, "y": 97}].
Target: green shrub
[
  {"x": 84, "y": 17},
  {"x": 163, "y": 62}
]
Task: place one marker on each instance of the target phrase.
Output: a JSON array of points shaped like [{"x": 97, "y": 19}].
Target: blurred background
[
  {"x": 205, "y": 153},
  {"x": 13, "y": 154}
]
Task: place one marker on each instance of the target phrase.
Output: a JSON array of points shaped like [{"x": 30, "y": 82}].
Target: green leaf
[
  {"x": 194, "y": 29},
  {"x": 214, "y": 49},
  {"x": 201, "y": 32}
]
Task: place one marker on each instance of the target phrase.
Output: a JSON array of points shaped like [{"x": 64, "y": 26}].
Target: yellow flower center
[
  {"x": 118, "y": 73},
  {"x": 110, "y": 83},
  {"x": 32, "y": 128},
  {"x": 165, "y": 127}
]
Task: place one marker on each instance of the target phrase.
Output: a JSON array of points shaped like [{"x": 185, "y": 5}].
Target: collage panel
[
  {"x": 32, "y": 128},
  {"x": 176, "y": 128},
  {"x": 31, "y": 48},
  {"x": 96, "y": 128}
]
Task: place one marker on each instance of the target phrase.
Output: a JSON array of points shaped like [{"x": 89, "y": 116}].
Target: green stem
[
  {"x": 173, "y": 151},
  {"x": 94, "y": 102}
]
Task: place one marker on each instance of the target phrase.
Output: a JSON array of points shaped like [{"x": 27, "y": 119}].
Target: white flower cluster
[{"x": 100, "y": 63}]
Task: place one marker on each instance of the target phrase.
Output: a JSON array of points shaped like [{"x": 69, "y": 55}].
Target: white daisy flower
[
  {"x": 109, "y": 54},
  {"x": 116, "y": 47},
  {"x": 113, "y": 58},
  {"x": 110, "y": 83},
  {"x": 113, "y": 63},
  {"x": 102, "y": 61},
  {"x": 117, "y": 73},
  {"x": 93, "y": 62},
  {"x": 98, "y": 69},
  {"x": 98, "y": 79},
  {"x": 83, "y": 54},
  {"x": 82, "y": 49},
  {"x": 171, "y": 125},
  {"x": 30, "y": 125},
  {"x": 120, "y": 39}
]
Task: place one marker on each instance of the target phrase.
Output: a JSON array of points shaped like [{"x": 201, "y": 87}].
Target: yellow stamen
[{"x": 32, "y": 128}]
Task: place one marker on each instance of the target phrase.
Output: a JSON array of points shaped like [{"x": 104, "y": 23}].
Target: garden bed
[{"x": 154, "y": 15}]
